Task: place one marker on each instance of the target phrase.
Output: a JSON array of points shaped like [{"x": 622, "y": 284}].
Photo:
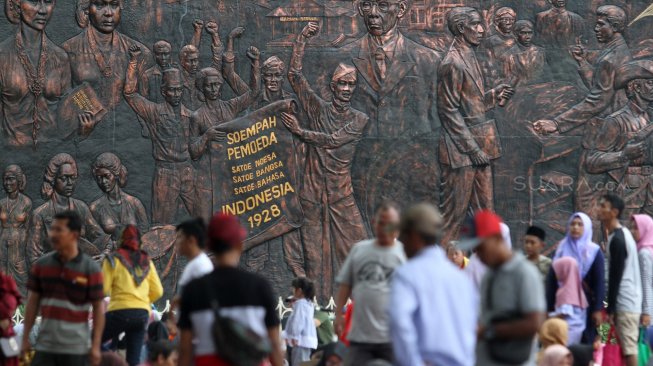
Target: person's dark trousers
[
  {"x": 362, "y": 353},
  {"x": 59, "y": 359},
  {"x": 132, "y": 322}
]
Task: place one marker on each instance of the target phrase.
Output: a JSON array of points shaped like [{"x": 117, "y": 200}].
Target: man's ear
[{"x": 403, "y": 9}]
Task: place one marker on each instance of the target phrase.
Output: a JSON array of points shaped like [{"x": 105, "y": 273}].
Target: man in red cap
[
  {"x": 246, "y": 297},
  {"x": 512, "y": 295}
]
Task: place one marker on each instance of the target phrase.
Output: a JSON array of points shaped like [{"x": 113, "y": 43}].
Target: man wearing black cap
[
  {"x": 513, "y": 306},
  {"x": 533, "y": 245},
  {"x": 622, "y": 146}
]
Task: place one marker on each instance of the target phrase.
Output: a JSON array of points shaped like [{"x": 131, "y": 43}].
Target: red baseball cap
[
  {"x": 226, "y": 228},
  {"x": 484, "y": 224}
]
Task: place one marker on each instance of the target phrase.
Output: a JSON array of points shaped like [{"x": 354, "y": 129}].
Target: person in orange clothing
[{"x": 131, "y": 281}]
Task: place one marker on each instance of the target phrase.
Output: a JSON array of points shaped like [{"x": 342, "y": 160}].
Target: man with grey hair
[
  {"x": 424, "y": 289},
  {"x": 602, "y": 99},
  {"x": 469, "y": 140}
]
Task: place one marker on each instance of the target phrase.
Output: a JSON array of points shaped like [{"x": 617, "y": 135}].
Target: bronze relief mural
[{"x": 301, "y": 116}]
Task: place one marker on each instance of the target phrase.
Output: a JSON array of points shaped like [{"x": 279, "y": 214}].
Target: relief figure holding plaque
[
  {"x": 15, "y": 212},
  {"x": 115, "y": 209},
  {"x": 332, "y": 220},
  {"x": 34, "y": 74},
  {"x": 59, "y": 180},
  {"x": 168, "y": 125},
  {"x": 205, "y": 121},
  {"x": 469, "y": 140}
]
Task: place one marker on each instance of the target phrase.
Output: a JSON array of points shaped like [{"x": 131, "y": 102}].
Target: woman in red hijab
[
  {"x": 9, "y": 301},
  {"x": 131, "y": 282}
]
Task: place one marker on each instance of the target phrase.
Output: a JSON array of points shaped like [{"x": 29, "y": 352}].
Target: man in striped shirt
[{"x": 63, "y": 285}]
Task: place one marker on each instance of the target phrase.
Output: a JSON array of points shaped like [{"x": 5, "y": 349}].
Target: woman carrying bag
[{"x": 130, "y": 279}]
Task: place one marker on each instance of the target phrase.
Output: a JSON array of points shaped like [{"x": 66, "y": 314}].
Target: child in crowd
[
  {"x": 161, "y": 353},
  {"x": 169, "y": 321},
  {"x": 533, "y": 246},
  {"x": 571, "y": 304},
  {"x": 456, "y": 255},
  {"x": 554, "y": 331},
  {"x": 300, "y": 331},
  {"x": 557, "y": 355}
]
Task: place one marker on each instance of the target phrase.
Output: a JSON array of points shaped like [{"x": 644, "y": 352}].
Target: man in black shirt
[{"x": 242, "y": 296}]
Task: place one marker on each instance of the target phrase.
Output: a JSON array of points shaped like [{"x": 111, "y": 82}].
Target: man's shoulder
[
  {"x": 420, "y": 52},
  {"x": 46, "y": 260},
  {"x": 75, "y": 44},
  {"x": 545, "y": 260}
]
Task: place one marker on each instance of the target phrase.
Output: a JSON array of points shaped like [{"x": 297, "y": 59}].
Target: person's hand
[
  {"x": 237, "y": 32},
  {"x": 339, "y": 324},
  {"x": 253, "y": 53},
  {"x": 480, "y": 332},
  {"x": 545, "y": 126},
  {"x": 25, "y": 349},
  {"x": 294, "y": 342},
  {"x": 216, "y": 135},
  {"x": 134, "y": 52},
  {"x": 505, "y": 91},
  {"x": 5, "y": 324},
  {"x": 291, "y": 122},
  {"x": 479, "y": 158},
  {"x": 634, "y": 151},
  {"x": 211, "y": 27},
  {"x": 597, "y": 318},
  {"x": 86, "y": 123},
  {"x": 646, "y": 320},
  {"x": 310, "y": 30},
  {"x": 198, "y": 24},
  {"x": 578, "y": 52},
  {"x": 95, "y": 356}
]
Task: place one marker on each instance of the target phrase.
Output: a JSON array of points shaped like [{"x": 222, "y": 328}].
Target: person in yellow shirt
[{"x": 131, "y": 282}]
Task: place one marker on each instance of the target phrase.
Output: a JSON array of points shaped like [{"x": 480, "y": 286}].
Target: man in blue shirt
[{"x": 423, "y": 290}]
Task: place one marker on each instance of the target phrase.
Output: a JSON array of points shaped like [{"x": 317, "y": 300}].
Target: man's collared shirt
[
  {"x": 67, "y": 290},
  {"x": 423, "y": 290}
]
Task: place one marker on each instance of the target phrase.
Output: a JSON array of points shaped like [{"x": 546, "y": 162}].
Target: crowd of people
[{"x": 403, "y": 299}]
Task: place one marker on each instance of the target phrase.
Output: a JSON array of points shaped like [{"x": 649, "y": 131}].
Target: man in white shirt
[
  {"x": 365, "y": 277},
  {"x": 191, "y": 238},
  {"x": 423, "y": 290}
]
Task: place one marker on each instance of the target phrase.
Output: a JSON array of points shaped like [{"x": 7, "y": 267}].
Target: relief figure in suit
[
  {"x": 397, "y": 75},
  {"x": 469, "y": 140},
  {"x": 602, "y": 100}
]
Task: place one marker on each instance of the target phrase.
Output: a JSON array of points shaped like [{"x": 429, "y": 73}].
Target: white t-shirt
[{"x": 196, "y": 268}]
